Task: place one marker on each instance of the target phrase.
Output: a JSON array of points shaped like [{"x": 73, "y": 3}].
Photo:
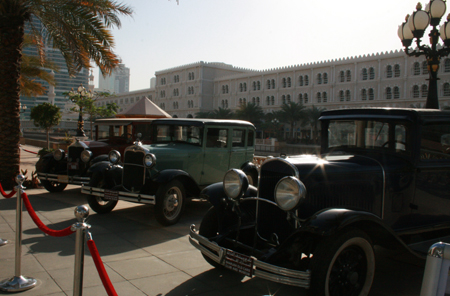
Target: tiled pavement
[{"x": 140, "y": 256}]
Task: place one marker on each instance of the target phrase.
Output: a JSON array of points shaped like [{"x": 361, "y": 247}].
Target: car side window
[
  {"x": 435, "y": 142},
  {"x": 216, "y": 138},
  {"x": 238, "y": 138},
  {"x": 250, "y": 138}
]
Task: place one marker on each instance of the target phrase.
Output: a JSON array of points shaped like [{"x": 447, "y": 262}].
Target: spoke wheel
[
  {"x": 169, "y": 202},
  {"x": 98, "y": 204},
  {"x": 343, "y": 264}
]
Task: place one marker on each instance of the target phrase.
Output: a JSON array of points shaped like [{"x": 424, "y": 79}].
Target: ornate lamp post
[
  {"x": 77, "y": 98},
  {"x": 414, "y": 27}
]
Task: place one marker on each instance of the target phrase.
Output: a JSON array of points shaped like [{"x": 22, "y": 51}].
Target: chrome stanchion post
[
  {"x": 436, "y": 273},
  {"x": 18, "y": 282},
  {"x": 81, "y": 213}
]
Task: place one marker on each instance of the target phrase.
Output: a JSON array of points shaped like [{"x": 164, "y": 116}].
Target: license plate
[
  {"x": 73, "y": 166},
  {"x": 63, "y": 179},
  {"x": 111, "y": 195},
  {"x": 239, "y": 262}
]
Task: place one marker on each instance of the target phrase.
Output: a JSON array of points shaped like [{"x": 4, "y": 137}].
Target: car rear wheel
[
  {"x": 343, "y": 264},
  {"x": 169, "y": 202},
  {"x": 98, "y": 204},
  {"x": 209, "y": 228}
]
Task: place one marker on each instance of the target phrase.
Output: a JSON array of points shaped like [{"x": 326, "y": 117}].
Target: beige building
[{"x": 390, "y": 79}]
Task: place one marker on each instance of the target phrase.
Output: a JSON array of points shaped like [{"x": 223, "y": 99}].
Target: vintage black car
[
  {"x": 185, "y": 155},
  {"x": 56, "y": 170},
  {"x": 383, "y": 178}
]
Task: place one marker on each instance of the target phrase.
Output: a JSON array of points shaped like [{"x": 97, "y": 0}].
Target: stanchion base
[
  {"x": 3, "y": 242},
  {"x": 17, "y": 284}
]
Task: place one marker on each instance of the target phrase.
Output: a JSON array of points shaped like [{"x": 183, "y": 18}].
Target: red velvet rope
[
  {"x": 101, "y": 269},
  {"x": 40, "y": 225},
  {"x": 29, "y": 151},
  {"x": 11, "y": 194}
]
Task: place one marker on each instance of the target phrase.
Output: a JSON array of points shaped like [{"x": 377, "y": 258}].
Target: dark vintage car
[
  {"x": 56, "y": 170},
  {"x": 185, "y": 156},
  {"x": 383, "y": 178}
]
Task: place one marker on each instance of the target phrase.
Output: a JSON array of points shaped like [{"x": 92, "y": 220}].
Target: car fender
[
  {"x": 215, "y": 194},
  {"x": 250, "y": 168},
  {"x": 99, "y": 158},
  {"x": 330, "y": 221},
  {"x": 46, "y": 162},
  {"x": 165, "y": 176}
]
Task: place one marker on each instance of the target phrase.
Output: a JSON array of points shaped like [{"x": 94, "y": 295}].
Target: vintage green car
[{"x": 185, "y": 155}]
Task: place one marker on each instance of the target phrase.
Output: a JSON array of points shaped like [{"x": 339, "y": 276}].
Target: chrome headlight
[
  {"x": 149, "y": 160},
  {"x": 58, "y": 154},
  {"x": 86, "y": 156},
  {"x": 235, "y": 183},
  {"x": 290, "y": 192},
  {"x": 114, "y": 156}
]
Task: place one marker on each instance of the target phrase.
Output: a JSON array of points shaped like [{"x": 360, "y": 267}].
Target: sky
[{"x": 253, "y": 34}]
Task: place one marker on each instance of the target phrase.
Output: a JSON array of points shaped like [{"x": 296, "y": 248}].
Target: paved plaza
[{"x": 142, "y": 257}]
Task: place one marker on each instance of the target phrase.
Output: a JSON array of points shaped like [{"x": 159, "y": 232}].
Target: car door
[
  {"x": 238, "y": 153},
  {"x": 216, "y": 154}
]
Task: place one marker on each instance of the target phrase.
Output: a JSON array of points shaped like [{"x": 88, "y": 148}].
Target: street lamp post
[
  {"x": 78, "y": 97},
  {"x": 414, "y": 27}
]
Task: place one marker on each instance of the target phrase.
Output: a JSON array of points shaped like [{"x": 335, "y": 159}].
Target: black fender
[
  {"x": 46, "y": 162},
  {"x": 99, "y": 158},
  {"x": 215, "y": 194},
  {"x": 112, "y": 174},
  {"x": 250, "y": 168},
  {"x": 165, "y": 176}
]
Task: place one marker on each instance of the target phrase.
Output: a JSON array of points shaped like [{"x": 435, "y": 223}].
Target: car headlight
[
  {"x": 149, "y": 160},
  {"x": 58, "y": 154},
  {"x": 86, "y": 156},
  {"x": 114, "y": 156},
  {"x": 290, "y": 192},
  {"x": 235, "y": 183}
]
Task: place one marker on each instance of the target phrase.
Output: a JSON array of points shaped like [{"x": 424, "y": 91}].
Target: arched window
[
  {"x": 241, "y": 87},
  {"x": 268, "y": 101},
  {"x": 245, "y": 86},
  {"x": 268, "y": 84},
  {"x": 306, "y": 80},
  {"x": 257, "y": 101},
  {"x": 396, "y": 70},
  {"x": 324, "y": 97},
  {"x": 341, "y": 96},
  {"x": 319, "y": 97},
  {"x": 300, "y": 98},
  {"x": 415, "y": 91},
  {"x": 342, "y": 76},
  {"x": 347, "y": 95},
  {"x": 288, "y": 98},
  {"x": 240, "y": 102},
  {"x": 371, "y": 94},
  {"x": 396, "y": 92},
  {"x": 416, "y": 68},
  {"x": 273, "y": 100},
  {"x": 388, "y": 93},
  {"x": 371, "y": 73},
  {"x": 300, "y": 80},
  {"x": 447, "y": 65},
  {"x": 283, "y": 99},
  {"x": 364, "y": 74},
  {"x": 349, "y": 75},
  {"x": 363, "y": 94},
  {"x": 258, "y": 84},
  {"x": 254, "y": 85},
  {"x": 388, "y": 71},
  {"x": 283, "y": 82},
  {"x": 446, "y": 89},
  {"x": 424, "y": 67},
  {"x": 289, "y": 82},
  {"x": 424, "y": 89},
  {"x": 325, "y": 78},
  {"x": 273, "y": 83},
  {"x": 306, "y": 98},
  {"x": 319, "y": 78}
]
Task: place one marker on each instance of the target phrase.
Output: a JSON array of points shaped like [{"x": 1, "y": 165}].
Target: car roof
[
  {"x": 411, "y": 114},
  {"x": 202, "y": 121}
]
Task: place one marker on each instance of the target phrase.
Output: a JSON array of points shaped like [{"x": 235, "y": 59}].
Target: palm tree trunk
[{"x": 11, "y": 39}]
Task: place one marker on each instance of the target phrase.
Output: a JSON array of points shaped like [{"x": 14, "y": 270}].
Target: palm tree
[
  {"x": 312, "y": 118},
  {"x": 222, "y": 113},
  {"x": 203, "y": 114},
  {"x": 291, "y": 113},
  {"x": 80, "y": 29},
  {"x": 250, "y": 112}
]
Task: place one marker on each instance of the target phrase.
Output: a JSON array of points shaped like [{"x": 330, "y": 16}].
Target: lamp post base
[{"x": 18, "y": 284}]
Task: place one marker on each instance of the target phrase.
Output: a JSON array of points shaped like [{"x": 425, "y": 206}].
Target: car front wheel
[
  {"x": 343, "y": 264},
  {"x": 169, "y": 202},
  {"x": 53, "y": 186},
  {"x": 98, "y": 204}
]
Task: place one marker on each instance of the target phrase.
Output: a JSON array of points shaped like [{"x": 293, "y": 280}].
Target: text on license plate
[
  {"x": 239, "y": 262},
  {"x": 63, "y": 179},
  {"x": 111, "y": 195}
]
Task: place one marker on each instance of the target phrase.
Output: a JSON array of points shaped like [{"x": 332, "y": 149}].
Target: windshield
[
  {"x": 367, "y": 134},
  {"x": 177, "y": 133}
]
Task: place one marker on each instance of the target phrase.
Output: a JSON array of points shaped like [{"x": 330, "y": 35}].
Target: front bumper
[
  {"x": 259, "y": 268},
  {"x": 76, "y": 180},
  {"x": 118, "y": 195}
]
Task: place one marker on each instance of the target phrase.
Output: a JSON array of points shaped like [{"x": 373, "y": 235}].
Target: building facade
[
  {"x": 390, "y": 79},
  {"x": 64, "y": 83}
]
